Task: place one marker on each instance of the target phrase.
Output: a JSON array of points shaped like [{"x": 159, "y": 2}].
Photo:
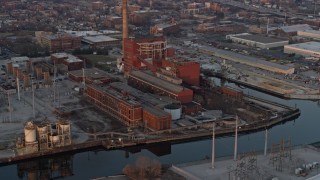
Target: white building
[
  {"x": 313, "y": 34},
  {"x": 262, "y": 42},
  {"x": 305, "y": 49}
]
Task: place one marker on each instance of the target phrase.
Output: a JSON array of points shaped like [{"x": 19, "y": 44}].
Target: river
[{"x": 91, "y": 164}]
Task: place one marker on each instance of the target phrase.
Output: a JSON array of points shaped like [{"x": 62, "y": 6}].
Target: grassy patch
[
  {"x": 96, "y": 58},
  {"x": 5, "y": 34}
]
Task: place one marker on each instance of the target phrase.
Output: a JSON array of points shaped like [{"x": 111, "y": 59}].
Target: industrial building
[
  {"x": 188, "y": 71},
  {"x": 42, "y": 136},
  {"x": 312, "y": 34},
  {"x": 165, "y": 29},
  {"x": 124, "y": 104},
  {"x": 70, "y": 62},
  {"x": 154, "y": 114},
  {"x": 155, "y": 118},
  {"x": 154, "y": 54},
  {"x": 101, "y": 41},
  {"x": 144, "y": 52},
  {"x": 147, "y": 81},
  {"x": 304, "y": 49},
  {"x": 90, "y": 76},
  {"x": 116, "y": 104},
  {"x": 57, "y": 42},
  {"x": 262, "y": 42},
  {"x": 248, "y": 60},
  {"x": 291, "y": 30}
]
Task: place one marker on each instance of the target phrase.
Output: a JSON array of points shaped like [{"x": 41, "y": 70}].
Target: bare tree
[{"x": 144, "y": 168}]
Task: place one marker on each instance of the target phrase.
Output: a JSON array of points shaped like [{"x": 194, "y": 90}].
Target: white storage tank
[
  {"x": 174, "y": 109},
  {"x": 30, "y": 132}
]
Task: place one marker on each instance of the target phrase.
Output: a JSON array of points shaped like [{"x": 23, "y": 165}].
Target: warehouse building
[
  {"x": 70, "y": 61},
  {"x": 248, "y": 60},
  {"x": 305, "y": 49},
  {"x": 262, "y": 42},
  {"x": 116, "y": 104},
  {"x": 57, "y": 42},
  {"x": 312, "y": 34},
  {"x": 165, "y": 29},
  {"x": 130, "y": 106},
  {"x": 90, "y": 76},
  {"x": 147, "y": 81},
  {"x": 101, "y": 41}
]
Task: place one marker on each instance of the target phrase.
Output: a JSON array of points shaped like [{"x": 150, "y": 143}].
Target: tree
[{"x": 144, "y": 168}]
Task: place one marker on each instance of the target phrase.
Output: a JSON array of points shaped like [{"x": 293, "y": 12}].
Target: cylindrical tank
[
  {"x": 64, "y": 126},
  {"x": 174, "y": 110},
  {"x": 30, "y": 133},
  {"x": 54, "y": 138}
]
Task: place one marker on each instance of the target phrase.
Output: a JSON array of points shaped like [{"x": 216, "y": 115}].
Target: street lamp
[{"x": 213, "y": 138}]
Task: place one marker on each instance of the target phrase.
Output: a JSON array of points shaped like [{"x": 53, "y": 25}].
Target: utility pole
[
  {"x": 10, "y": 113},
  {"x": 268, "y": 27},
  {"x": 34, "y": 116},
  {"x": 314, "y": 10},
  {"x": 83, "y": 78},
  {"x": 54, "y": 83},
  {"x": 18, "y": 88},
  {"x": 265, "y": 142},
  {"x": 236, "y": 141},
  {"x": 213, "y": 138}
]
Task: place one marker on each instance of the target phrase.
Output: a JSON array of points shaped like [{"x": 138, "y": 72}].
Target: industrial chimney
[{"x": 124, "y": 22}]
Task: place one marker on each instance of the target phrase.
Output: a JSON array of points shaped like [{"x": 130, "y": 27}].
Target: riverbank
[{"x": 183, "y": 134}]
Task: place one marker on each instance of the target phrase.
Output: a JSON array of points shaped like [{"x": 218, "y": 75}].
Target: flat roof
[
  {"x": 130, "y": 100},
  {"x": 60, "y": 55},
  {"x": 157, "y": 81},
  {"x": 98, "y": 38},
  {"x": 311, "y": 31},
  {"x": 151, "y": 99},
  {"x": 92, "y": 73},
  {"x": 83, "y": 33},
  {"x": 19, "y": 59},
  {"x": 250, "y": 59},
  {"x": 296, "y": 27},
  {"x": 69, "y": 57},
  {"x": 260, "y": 39},
  {"x": 310, "y": 46},
  {"x": 155, "y": 111}
]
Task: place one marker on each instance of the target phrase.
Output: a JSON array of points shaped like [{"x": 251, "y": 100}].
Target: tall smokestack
[{"x": 124, "y": 22}]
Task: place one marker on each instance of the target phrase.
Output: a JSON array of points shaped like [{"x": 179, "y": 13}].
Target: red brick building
[
  {"x": 92, "y": 76},
  {"x": 156, "y": 118},
  {"x": 188, "y": 71},
  {"x": 137, "y": 51},
  {"x": 58, "y": 42},
  {"x": 72, "y": 62},
  {"x": 115, "y": 104}
]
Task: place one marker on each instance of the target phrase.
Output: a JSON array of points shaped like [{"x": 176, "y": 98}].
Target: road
[{"x": 260, "y": 9}]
